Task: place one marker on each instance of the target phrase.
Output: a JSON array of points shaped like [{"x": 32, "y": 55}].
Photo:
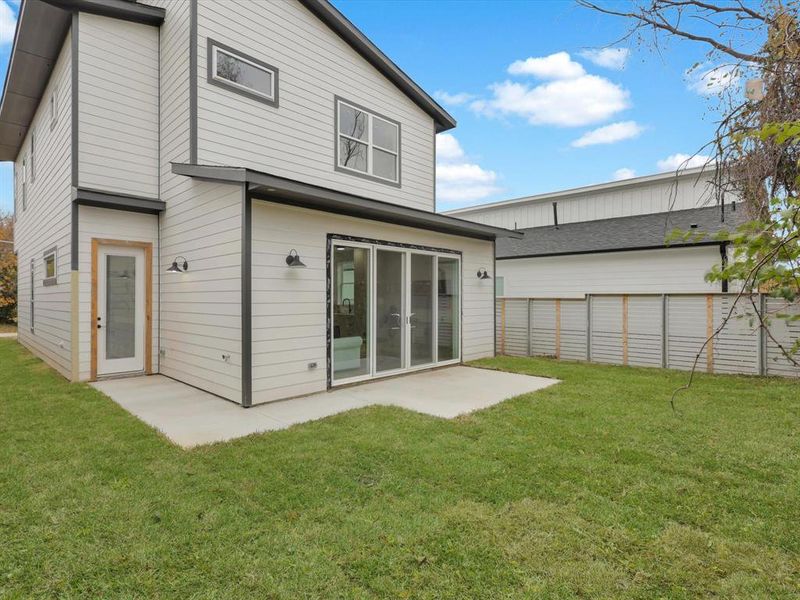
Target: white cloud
[
  {"x": 8, "y": 23},
  {"x": 623, "y": 173},
  {"x": 610, "y": 58},
  {"x": 453, "y": 99},
  {"x": 678, "y": 161},
  {"x": 569, "y": 102},
  {"x": 448, "y": 148},
  {"x": 554, "y": 66},
  {"x": 609, "y": 134},
  {"x": 459, "y": 180},
  {"x": 708, "y": 81}
]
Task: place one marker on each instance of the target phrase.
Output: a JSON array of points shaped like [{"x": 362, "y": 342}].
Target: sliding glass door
[{"x": 393, "y": 309}]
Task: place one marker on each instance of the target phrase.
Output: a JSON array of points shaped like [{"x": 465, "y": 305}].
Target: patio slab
[{"x": 191, "y": 417}]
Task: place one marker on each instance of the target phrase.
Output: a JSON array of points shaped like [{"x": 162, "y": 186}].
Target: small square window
[
  {"x": 50, "y": 268},
  {"x": 241, "y": 73},
  {"x": 367, "y": 144}
]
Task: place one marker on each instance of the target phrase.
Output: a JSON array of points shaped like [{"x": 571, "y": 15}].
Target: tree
[
  {"x": 755, "y": 151},
  {"x": 8, "y": 271}
]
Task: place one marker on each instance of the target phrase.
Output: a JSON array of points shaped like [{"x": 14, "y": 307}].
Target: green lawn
[{"x": 591, "y": 488}]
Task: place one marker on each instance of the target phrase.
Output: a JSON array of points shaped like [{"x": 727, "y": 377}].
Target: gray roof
[{"x": 639, "y": 232}]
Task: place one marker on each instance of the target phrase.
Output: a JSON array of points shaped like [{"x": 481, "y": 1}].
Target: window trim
[
  {"x": 337, "y": 101},
  {"x": 211, "y": 54},
  {"x": 47, "y": 281}
]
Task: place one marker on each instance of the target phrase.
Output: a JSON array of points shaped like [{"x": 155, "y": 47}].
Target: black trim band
[
  {"x": 118, "y": 9},
  {"x": 99, "y": 199}
]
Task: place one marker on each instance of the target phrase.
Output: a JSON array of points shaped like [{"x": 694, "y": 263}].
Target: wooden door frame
[{"x": 148, "y": 300}]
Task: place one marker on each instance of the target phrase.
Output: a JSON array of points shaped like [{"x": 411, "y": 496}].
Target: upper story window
[
  {"x": 367, "y": 144},
  {"x": 241, "y": 73}
]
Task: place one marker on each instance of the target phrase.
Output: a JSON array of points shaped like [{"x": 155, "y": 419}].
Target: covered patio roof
[{"x": 263, "y": 186}]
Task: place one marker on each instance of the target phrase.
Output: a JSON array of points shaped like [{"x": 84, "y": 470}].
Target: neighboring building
[
  {"x": 176, "y": 162},
  {"x": 610, "y": 238}
]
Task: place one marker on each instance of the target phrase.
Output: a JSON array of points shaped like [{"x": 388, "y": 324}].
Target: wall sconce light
[
  {"x": 483, "y": 274},
  {"x": 293, "y": 260},
  {"x": 178, "y": 268}
]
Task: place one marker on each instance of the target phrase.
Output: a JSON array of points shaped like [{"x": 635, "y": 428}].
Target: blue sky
[{"x": 556, "y": 121}]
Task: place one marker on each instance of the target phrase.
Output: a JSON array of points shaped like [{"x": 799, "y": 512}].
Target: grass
[
  {"x": 591, "y": 488},
  {"x": 7, "y": 327}
]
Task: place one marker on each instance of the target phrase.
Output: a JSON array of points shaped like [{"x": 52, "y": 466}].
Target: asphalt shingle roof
[{"x": 623, "y": 233}]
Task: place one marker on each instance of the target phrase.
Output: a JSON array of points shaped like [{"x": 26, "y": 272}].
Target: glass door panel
[
  {"x": 421, "y": 309},
  {"x": 120, "y": 306},
  {"x": 389, "y": 311},
  {"x": 351, "y": 311},
  {"x": 449, "y": 309}
]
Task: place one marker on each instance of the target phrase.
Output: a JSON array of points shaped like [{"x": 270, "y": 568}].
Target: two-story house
[{"x": 238, "y": 195}]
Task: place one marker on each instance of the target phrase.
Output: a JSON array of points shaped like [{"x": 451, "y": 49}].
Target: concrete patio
[{"x": 190, "y": 417}]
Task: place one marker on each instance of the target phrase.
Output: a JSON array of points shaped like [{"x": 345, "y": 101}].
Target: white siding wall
[
  {"x": 201, "y": 309},
  {"x": 46, "y": 223},
  {"x": 644, "y": 271},
  {"x": 627, "y": 200},
  {"x": 289, "y": 304},
  {"x": 102, "y": 223},
  {"x": 296, "y": 140},
  {"x": 118, "y": 106}
]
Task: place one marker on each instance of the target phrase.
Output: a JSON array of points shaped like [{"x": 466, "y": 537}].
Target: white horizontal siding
[
  {"x": 296, "y": 140},
  {"x": 642, "y": 271},
  {"x": 201, "y": 309},
  {"x": 45, "y": 223},
  {"x": 289, "y": 304},
  {"x": 118, "y": 225},
  {"x": 645, "y": 198},
  {"x": 118, "y": 106}
]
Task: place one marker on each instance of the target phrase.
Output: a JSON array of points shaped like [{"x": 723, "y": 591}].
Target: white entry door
[{"x": 120, "y": 310}]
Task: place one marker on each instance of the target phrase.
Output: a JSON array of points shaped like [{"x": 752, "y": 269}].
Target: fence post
[
  {"x": 709, "y": 333},
  {"x": 762, "y": 336},
  {"x": 625, "y": 329},
  {"x": 529, "y": 326},
  {"x": 558, "y": 328},
  {"x": 664, "y": 331},
  {"x": 589, "y": 327}
]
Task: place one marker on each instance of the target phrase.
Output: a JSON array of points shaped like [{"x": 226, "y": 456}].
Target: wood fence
[{"x": 651, "y": 330}]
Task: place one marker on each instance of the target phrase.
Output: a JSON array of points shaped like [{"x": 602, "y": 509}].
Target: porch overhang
[{"x": 263, "y": 186}]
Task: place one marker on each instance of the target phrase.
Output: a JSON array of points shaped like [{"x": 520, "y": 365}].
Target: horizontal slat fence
[{"x": 652, "y": 330}]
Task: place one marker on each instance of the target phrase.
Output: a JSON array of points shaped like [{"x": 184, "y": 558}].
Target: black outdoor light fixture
[
  {"x": 483, "y": 273},
  {"x": 293, "y": 260},
  {"x": 178, "y": 268}
]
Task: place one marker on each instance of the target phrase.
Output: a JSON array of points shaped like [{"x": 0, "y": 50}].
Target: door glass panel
[
  {"x": 421, "y": 309},
  {"x": 350, "y": 312},
  {"x": 120, "y": 306},
  {"x": 448, "y": 298},
  {"x": 389, "y": 311}
]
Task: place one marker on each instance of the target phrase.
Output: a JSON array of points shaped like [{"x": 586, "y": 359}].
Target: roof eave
[{"x": 271, "y": 188}]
